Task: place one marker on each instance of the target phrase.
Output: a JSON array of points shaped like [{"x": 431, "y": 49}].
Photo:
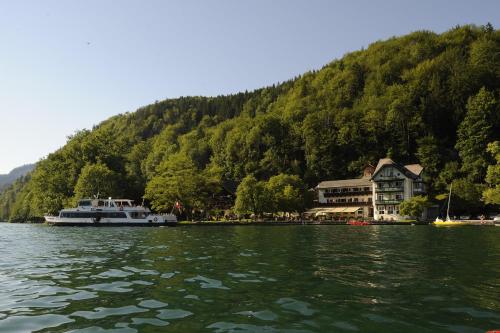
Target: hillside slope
[
  {"x": 415, "y": 98},
  {"x": 9, "y": 178}
]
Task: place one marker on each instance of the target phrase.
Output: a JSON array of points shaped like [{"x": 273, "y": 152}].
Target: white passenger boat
[{"x": 110, "y": 212}]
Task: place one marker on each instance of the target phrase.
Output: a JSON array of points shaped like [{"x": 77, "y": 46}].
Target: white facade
[
  {"x": 392, "y": 184},
  {"x": 349, "y": 198},
  {"x": 376, "y": 195}
]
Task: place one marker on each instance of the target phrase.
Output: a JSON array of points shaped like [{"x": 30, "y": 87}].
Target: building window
[
  {"x": 355, "y": 199},
  {"x": 380, "y": 197},
  {"x": 399, "y": 197}
]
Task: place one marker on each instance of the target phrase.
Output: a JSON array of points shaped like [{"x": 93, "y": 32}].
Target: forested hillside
[{"x": 422, "y": 98}]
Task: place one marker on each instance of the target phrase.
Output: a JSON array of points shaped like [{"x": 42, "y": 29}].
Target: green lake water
[{"x": 249, "y": 279}]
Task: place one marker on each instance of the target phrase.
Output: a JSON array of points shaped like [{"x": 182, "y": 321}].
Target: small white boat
[{"x": 110, "y": 212}]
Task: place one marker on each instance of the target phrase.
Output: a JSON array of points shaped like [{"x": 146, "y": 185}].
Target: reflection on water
[{"x": 249, "y": 279}]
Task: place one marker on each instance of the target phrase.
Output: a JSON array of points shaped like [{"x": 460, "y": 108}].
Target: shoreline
[
  {"x": 311, "y": 222},
  {"x": 259, "y": 223}
]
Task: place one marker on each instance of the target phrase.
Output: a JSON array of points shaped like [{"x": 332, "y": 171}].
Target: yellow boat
[{"x": 448, "y": 222}]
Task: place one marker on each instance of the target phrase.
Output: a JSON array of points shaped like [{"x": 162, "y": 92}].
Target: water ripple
[
  {"x": 106, "y": 312},
  {"x": 20, "y": 324},
  {"x": 248, "y": 279}
]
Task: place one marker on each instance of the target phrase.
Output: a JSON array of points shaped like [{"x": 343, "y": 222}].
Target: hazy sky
[{"x": 66, "y": 65}]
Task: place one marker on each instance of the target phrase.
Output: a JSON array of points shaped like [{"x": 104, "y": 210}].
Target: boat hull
[
  {"x": 463, "y": 223},
  {"x": 111, "y": 224},
  {"x": 152, "y": 221},
  {"x": 358, "y": 223},
  {"x": 448, "y": 224}
]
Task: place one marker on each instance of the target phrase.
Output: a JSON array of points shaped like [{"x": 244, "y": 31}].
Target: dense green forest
[{"x": 421, "y": 98}]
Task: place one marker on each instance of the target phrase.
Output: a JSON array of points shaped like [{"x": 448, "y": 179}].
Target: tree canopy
[{"x": 414, "y": 207}]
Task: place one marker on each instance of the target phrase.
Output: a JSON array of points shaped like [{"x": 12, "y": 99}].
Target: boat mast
[{"x": 448, "y": 209}]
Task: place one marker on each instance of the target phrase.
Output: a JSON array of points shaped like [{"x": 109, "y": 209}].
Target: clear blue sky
[{"x": 66, "y": 65}]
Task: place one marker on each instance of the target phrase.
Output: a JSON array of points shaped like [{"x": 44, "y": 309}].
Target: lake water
[{"x": 249, "y": 279}]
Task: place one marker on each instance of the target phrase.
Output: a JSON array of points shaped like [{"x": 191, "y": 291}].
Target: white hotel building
[
  {"x": 392, "y": 184},
  {"x": 376, "y": 195}
]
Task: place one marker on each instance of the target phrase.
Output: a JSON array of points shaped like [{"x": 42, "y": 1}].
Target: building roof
[
  {"x": 382, "y": 162},
  {"x": 345, "y": 183},
  {"x": 410, "y": 170},
  {"x": 415, "y": 168}
]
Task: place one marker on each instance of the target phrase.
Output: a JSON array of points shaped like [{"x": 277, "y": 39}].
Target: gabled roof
[
  {"x": 416, "y": 169},
  {"x": 410, "y": 170},
  {"x": 381, "y": 163}
]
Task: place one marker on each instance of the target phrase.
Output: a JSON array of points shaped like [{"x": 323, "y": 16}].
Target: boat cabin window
[
  {"x": 100, "y": 203},
  {"x": 112, "y": 215},
  {"x": 84, "y": 203},
  {"x": 138, "y": 215}
]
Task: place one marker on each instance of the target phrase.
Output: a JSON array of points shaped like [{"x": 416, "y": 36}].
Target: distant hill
[{"x": 7, "y": 179}]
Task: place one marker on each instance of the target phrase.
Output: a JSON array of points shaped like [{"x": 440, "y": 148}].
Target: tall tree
[
  {"x": 428, "y": 154},
  {"x": 252, "y": 196},
  {"x": 492, "y": 194},
  {"x": 98, "y": 179},
  {"x": 287, "y": 193},
  {"x": 474, "y": 134},
  {"x": 177, "y": 179}
]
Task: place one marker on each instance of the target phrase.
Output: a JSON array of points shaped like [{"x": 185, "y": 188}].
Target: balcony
[
  {"x": 390, "y": 177},
  {"x": 389, "y": 189},
  {"x": 345, "y": 194},
  {"x": 388, "y": 202}
]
